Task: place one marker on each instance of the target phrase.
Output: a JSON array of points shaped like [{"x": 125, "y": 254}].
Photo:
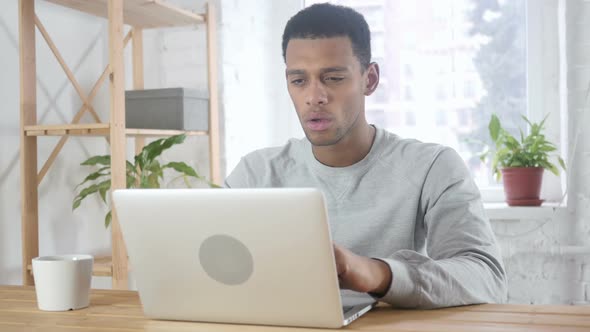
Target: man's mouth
[{"x": 318, "y": 124}]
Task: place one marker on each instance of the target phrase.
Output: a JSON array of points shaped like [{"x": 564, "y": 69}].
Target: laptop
[{"x": 244, "y": 256}]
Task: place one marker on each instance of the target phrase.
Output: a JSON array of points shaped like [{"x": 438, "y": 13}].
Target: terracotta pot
[{"x": 522, "y": 185}]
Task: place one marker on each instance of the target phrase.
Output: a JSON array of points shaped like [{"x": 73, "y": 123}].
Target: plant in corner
[
  {"x": 145, "y": 172},
  {"x": 521, "y": 163}
]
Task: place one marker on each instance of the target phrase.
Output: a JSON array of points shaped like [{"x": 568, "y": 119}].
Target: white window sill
[{"x": 503, "y": 212}]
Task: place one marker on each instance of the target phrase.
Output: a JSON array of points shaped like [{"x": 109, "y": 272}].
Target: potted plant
[
  {"x": 145, "y": 172},
  {"x": 521, "y": 163}
]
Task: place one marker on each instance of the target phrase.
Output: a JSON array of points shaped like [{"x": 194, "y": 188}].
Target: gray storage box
[{"x": 172, "y": 108}]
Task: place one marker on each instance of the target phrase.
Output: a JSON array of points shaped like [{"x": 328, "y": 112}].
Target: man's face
[{"x": 327, "y": 86}]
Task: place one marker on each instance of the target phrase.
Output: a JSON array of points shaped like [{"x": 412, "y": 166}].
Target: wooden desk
[{"x": 121, "y": 311}]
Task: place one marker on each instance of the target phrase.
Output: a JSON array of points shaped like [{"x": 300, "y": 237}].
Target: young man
[{"x": 406, "y": 218}]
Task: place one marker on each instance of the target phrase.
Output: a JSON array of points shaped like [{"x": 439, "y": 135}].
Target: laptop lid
[{"x": 254, "y": 256}]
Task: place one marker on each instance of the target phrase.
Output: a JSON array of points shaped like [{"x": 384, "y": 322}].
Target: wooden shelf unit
[
  {"x": 101, "y": 129},
  {"x": 144, "y": 14},
  {"x": 139, "y": 14}
]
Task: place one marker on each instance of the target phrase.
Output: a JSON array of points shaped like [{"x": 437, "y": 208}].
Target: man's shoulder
[
  {"x": 290, "y": 151},
  {"x": 260, "y": 168},
  {"x": 411, "y": 151},
  {"x": 417, "y": 160}
]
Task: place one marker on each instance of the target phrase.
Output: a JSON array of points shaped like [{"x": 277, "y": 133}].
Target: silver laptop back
[{"x": 254, "y": 256}]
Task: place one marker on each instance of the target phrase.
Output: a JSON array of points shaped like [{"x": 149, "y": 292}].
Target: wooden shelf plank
[
  {"x": 67, "y": 126},
  {"x": 138, "y": 13},
  {"x": 100, "y": 129},
  {"x": 79, "y": 129},
  {"x": 162, "y": 132},
  {"x": 103, "y": 267}
]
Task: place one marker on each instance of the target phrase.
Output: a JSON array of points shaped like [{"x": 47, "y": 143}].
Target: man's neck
[{"x": 349, "y": 151}]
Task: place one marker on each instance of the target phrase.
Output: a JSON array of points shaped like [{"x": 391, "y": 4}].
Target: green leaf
[
  {"x": 140, "y": 160},
  {"x": 494, "y": 128},
  {"x": 534, "y": 148},
  {"x": 97, "y": 160},
  {"x": 547, "y": 148},
  {"x": 186, "y": 170},
  {"x": 154, "y": 167},
  {"x": 103, "y": 194},
  {"x": 183, "y": 168},
  {"x": 90, "y": 190},
  {"x": 107, "y": 219},
  {"x": 131, "y": 169},
  {"x": 542, "y": 124},
  {"x": 95, "y": 175},
  {"x": 552, "y": 168},
  {"x": 561, "y": 163},
  {"x": 153, "y": 181},
  {"x": 510, "y": 141},
  {"x": 535, "y": 129},
  {"x": 484, "y": 155},
  {"x": 527, "y": 120},
  {"x": 130, "y": 181},
  {"x": 76, "y": 203},
  {"x": 144, "y": 182},
  {"x": 156, "y": 148}
]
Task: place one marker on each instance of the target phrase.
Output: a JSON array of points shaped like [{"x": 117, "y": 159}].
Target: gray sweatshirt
[{"x": 411, "y": 204}]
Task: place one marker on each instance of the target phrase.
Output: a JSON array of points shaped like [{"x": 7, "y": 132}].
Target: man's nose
[{"x": 316, "y": 94}]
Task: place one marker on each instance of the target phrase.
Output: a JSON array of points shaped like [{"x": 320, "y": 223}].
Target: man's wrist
[{"x": 384, "y": 278}]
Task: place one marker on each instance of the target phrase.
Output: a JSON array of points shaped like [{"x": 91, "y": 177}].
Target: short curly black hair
[{"x": 325, "y": 20}]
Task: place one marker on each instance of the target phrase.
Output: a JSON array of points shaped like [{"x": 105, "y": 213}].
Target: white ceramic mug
[{"x": 62, "y": 282}]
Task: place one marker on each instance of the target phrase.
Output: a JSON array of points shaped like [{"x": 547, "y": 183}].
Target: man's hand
[{"x": 361, "y": 274}]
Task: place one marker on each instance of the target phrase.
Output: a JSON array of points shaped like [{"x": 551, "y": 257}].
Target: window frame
[{"x": 543, "y": 54}]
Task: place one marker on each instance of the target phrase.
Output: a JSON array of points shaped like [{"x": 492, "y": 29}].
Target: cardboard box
[{"x": 171, "y": 108}]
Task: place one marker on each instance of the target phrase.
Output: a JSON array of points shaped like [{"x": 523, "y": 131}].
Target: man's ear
[{"x": 372, "y": 78}]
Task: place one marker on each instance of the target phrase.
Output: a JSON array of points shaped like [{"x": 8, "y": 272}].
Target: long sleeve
[{"x": 463, "y": 265}]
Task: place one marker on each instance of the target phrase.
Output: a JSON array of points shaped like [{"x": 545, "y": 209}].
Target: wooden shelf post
[
  {"x": 213, "y": 81},
  {"x": 138, "y": 70},
  {"x": 28, "y": 144},
  {"x": 117, "y": 135}
]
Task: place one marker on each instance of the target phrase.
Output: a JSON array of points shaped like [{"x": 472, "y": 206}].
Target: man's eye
[
  {"x": 298, "y": 81},
  {"x": 334, "y": 79}
]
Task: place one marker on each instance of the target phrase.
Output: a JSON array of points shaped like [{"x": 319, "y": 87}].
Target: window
[
  {"x": 461, "y": 52},
  {"x": 383, "y": 117},
  {"x": 440, "y": 119},
  {"x": 463, "y": 119},
  {"x": 410, "y": 119},
  {"x": 469, "y": 89},
  {"x": 408, "y": 71},
  {"x": 441, "y": 91},
  {"x": 408, "y": 95},
  {"x": 377, "y": 44},
  {"x": 380, "y": 95}
]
